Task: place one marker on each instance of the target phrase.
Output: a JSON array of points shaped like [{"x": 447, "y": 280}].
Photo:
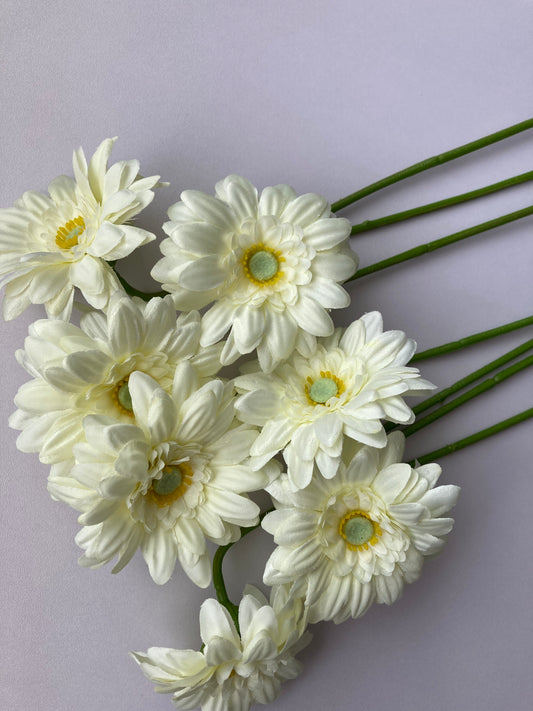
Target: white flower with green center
[
  {"x": 85, "y": 370},
  {"x": 177, "y": 477},
  {"x": 272, "y": 264},
  {"x": 345, "y": 387},
  {"x": 346, "y": 542},
  {"x": 49, "y": 245},
  {"x": 234, "y": 670}
]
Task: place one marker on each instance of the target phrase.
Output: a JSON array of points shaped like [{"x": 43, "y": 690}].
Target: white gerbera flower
[
  {"x": 349, "y": 541},
  {"x": 168, "y": 482},
  {"x": 272, "y": 264},
  {"x": 49, "y": 245},
  {"x": 234, "y": 670},
  {"x": 85, "y": 370},
  {"x": 344, "y": 388}
]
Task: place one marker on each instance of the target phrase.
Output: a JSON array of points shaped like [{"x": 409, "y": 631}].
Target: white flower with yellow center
[
  {"x": 272, "y": 264},
  {"x": 49, "y": 245},
  {"x": 85, "y": 370},
  {"x": 178, "y": 476},
  {"x": 234, "y": 670},
  {"x": 346, "y": 542},
  {"x": 349, "y": 382}
]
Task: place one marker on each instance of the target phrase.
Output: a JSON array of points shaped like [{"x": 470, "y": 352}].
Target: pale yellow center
[
  {"x": 67, "y": 236},
  {"x": 122, "y": 398}
]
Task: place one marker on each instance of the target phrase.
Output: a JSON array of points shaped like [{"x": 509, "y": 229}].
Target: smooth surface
[{"x": 327, "y": 96}]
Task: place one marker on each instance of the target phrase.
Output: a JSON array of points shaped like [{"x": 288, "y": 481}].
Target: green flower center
[
  {"x": 174, "y": 482},
  {"x": 169, "y": 482},
  {"x": 263, "y": 265},
  {"x": 124, "y": 397},
  {"x": 358, "y": 530},
  {"x": 322, "y": 389}
]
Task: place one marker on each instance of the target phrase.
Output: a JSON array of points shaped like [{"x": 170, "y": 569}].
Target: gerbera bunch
[{"x": 159, "y": 450}]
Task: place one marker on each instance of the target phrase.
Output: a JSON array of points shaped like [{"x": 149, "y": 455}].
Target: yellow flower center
[
  {"x": 67, "y": 235},
  {"x": 122, "y": 397},
  {"x": 359, "y": 531},
  {"x": 319, "y": 391},
  {"x": 261, "y": 264},
  {"x": 172, "y": 485}
]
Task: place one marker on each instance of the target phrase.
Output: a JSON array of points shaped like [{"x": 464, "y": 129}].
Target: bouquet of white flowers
[{"x": 158, "y": 426}]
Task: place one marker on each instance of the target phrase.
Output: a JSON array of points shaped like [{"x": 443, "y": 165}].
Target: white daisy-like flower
[
  {"x": 347, "y": 542},
  {"x": 349, "y": 382},
  {"x": 234, "y": 670},
  {"x": 49, "y": 245},
  {"x": 271, "y": 263},
  {"x": 85, "y": 370},
  {"x": 165, "y": 484}
]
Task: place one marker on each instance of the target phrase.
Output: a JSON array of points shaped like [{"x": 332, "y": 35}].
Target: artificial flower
[
  {"x": 271, "y": 263},
  {"x": 234, "y": 670},
  {"x": 347, "y": 542},
  {"x": 84, "y": 370},
  {"x": 166, "y": 483},
  {"x": 349, "y": 382},
  {"x": 49, "y": 245}
]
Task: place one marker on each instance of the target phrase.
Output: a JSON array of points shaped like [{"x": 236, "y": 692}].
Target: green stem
[
  {"x": 368, "y": 225},
  {"x": 132, "y": 291},
  {"x": 432, "y": 163},
  {"x": 470, "y": 340},
  {"x": 443, "y": 242},
  {"x": 468, "y": 395},
  {"x": 473, "y": 438},
  {"x": 218, "y": 578},
  {"x": 468, "y": 379}
]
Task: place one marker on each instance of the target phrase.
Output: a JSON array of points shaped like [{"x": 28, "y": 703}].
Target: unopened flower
[
  {"x": 234, "y": 670},
  {"x": 177, "y": 476},
  {"x": 349, "y": 382},
  {"x": 272, "y": 264},
  {"x": 82, "y": 371},
  {"x": 49, "y": 245},
  {"x": 346, "y": 542}
]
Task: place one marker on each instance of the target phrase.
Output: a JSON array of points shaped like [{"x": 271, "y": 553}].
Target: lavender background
[{"x": 326, "y": 96}]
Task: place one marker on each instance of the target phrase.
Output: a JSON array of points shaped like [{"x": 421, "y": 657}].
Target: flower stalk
[
  {"x": 473, "y": 438},
  {"x": 443, "y": 242},
  {"x": 368, "y": 225},
  {"x": 468, "y": 379},
  {"x": 471, "y": 340},
  {"x": 432, "y": 163},
  {"x": 468, "y": 395},
  {"x": 132, "y": 291},
  {"x": 218, "y": 577}
]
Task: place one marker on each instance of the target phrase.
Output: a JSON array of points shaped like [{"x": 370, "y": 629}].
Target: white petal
[{"x": 159, "y": 549}]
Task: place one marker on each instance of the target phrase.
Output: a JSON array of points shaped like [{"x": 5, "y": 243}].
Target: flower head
[
  {"x": 82, "y": 371},
  {"x": 234, "y": 670},
  {"x": 271, "y": 263},
  {"x": 347, "y": 542},
  {"x": 165, "y": 483},
  {"x": 49, "y": 245},
  {"x": 344, "y": 388}
]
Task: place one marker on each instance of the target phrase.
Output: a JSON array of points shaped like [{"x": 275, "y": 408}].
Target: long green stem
[
  {"x": 468, "y": 395},
  {"x": 432, "y": 163},
  {"x": 368, "y": 225},
  {"x": 471, "y": 340},
  {"x": 218, "y": 578},
  {"x": 468, "y": 379},
  {"x": 473, "y": 438},
  {"x": 443, "y": 242}
]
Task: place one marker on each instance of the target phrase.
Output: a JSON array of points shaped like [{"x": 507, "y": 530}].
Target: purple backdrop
[{"x": 327, "y": 96}]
